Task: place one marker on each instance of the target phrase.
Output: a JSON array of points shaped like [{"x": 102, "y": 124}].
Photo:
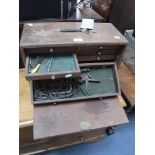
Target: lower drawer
[
  {"x": 97, "y": 80},
  {"x": 96, "y": 58}
]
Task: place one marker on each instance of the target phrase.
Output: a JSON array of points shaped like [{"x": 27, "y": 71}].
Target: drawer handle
[
  {"x": 51, "y": 50},
  {"x": 99, "y": 53},
  {"x": 98, "y": 58}
]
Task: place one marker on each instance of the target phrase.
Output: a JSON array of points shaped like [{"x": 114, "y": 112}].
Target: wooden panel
[
  {"x": 29, "y": 145},
  {"x": 25, "y": 106},
  {"x": 50, "y": 121},
  {"x": 44, "y": 34},
  {"x": 69, "y": 65},
  {"x": 123, "y": 15},
  {"x": 127, "y": 82},
  {"x": 102, "y": 7}
]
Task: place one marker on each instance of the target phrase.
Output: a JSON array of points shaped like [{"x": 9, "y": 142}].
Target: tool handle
[
  {"x": 70, "y": 30},
  {"x": 34, "y": 70},
  {"x": 94, "y": 81}
]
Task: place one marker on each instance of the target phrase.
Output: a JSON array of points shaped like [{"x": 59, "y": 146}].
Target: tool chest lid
[
  {"x": 63, "y": 119},
  {"x": 51, "y": 66},
  {"x": 46, "y": 34}
]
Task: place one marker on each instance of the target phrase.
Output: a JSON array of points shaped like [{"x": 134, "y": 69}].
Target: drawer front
[
  {"x": 39, "y": 68},
  {"x": 84, "y": 52},
  {"x": 79, "y": 50},
  {"x": 96, "y": 58},
  {"x": 50, "y": 50},
  {"x": 98, "y": 52}
]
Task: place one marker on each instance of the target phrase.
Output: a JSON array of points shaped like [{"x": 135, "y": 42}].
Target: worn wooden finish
[
  {"x": 29, "y": 145},
  {"x": 123, "y": 15},
  {"x": 25, "y": 106},
  {"x": 127, "y": 82},
  {"x": 62, "y": 119},
  {"x": 48, "y": 75},
  {"x": 44, "y": 34},
  {"x": 102, "y": 7},
  {"x": 96, "y": 58}
]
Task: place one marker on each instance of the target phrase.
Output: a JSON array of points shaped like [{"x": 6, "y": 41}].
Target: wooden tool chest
[{"x": 64, "y": 59}]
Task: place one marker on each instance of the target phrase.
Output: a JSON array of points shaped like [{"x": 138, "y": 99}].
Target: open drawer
[
  {"x": 78, "y": 117},
  {"x": 51, "y": 66},
  {"x": 97, "y": 80}
]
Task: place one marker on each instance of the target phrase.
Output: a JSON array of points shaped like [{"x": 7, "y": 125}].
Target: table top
[{"x": 46, "y": 34}]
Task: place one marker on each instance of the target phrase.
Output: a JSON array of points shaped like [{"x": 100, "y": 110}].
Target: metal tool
[
  {"x": 70, "y": 30},
  {"x": 49, "y": 66},
  {"x": 37, "y": 64},
  {"x": 84, "y": 70},
  {"x": 88, "y": 78},
  {"x": 91, "y": 79},
  {"x": 88, "y": 94},
  {"x": 74, "y": 30}
]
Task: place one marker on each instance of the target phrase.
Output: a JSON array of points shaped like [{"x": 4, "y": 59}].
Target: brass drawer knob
[
  {"x": 98, "y": 58},
  {"x": 100, "y": 47},
  {"x": 51, "y": 50},
  {"x": 99, "y": 53}
]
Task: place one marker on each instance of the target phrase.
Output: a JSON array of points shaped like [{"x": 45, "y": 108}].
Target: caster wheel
[{"x": 110, "y": 131}]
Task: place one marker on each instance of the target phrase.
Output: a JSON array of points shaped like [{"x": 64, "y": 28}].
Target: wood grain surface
[
  {"x": 63, "y": 119},
  {"x": 45, "y": 34},
  {"x": 25, "y": 106},
  {"x": 127, "y": 82}
]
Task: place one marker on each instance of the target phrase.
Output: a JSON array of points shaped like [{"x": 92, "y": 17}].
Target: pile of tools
[{"x": 63, "y": 88}]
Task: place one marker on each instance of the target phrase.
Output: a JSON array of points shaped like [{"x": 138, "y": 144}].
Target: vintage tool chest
[{"x": 74, "y": 73}]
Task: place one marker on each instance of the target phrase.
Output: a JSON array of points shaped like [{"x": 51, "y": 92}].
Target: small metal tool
[
  {"x": 49, "y": 66},
  {"x": 84, "y": 70},
  {"x": 37, "y": 65},
  {"x": 91, "y": 79}
]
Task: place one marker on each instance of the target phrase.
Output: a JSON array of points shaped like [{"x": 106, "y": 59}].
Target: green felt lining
[
  {"x": 60, "y": 63},
  {"x": 108, "y": 84}
]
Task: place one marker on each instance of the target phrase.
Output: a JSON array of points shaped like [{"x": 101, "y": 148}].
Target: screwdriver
[{"x": 37, "y": 66}]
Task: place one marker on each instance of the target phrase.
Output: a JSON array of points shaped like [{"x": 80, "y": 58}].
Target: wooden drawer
[
  {"x": 85, "y": 50},
  {"x": 50, "y": 49},
  {"x": 104, "y": 83},
  {"x": 89, "y": 58},
  {"x": 99, "y": 47},
  {"x": 51, "y": 66}
]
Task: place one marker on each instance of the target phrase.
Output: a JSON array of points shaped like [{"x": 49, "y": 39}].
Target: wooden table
[{"x": 127, "y": 81}]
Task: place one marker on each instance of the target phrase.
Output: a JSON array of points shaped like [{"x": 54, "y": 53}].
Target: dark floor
[{"x": 120, "y": 143}]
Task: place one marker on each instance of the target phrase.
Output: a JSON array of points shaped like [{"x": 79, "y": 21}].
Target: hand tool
[
  {"x": 49, "y": 66},
  {"x": 37, "y": 65},
  {"x": 70, "y": 30},
  {"x": 84, "y": 70}
]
